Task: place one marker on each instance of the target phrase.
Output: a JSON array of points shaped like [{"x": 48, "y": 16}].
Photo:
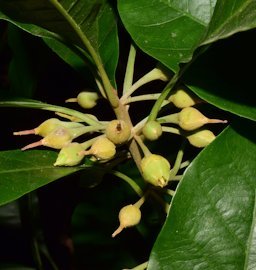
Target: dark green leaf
[
  {"x": 231, "y": 17},
  {"x": 223, "y": 77},
  {"x": 211, "y": 223},
  {"x": 22, "y": 172},
  {"x": 167, "y": 30},
  {"x": 78, "y": 21}
]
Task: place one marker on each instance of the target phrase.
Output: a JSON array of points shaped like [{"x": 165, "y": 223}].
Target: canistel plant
[{"x": 163, "y": 107}]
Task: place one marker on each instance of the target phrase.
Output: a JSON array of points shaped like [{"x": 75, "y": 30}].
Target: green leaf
[
  {"x": 222, "y": 76},
  {"x": 22, "y": 172},
  {"x": 34, "y": 104},
  {"x": 211, "y": 223},
  {"x": 89, "y": 25},
  {"x": 169, "y": 31},
  {"x": 231, "y": 17}
]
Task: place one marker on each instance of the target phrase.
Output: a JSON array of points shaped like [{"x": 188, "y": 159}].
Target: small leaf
[
  {"x": 22, "y": 172},
  {"x": 211, "y": 223}
]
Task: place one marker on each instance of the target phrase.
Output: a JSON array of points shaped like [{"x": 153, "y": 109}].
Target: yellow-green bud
[
  {"x": 118, "y": 131},
  {"x": 201, "y": 138},
  {"x": 129, "y": 215},
  {"x": 152, "y": 130},
  {"x": 87, "y": 100},
  {"x": 155, "y": 170},
  {"x": 190, "y": 118},
  {"x": 182, "y": 99},
  {"x": 69, "y": 155},
  {"x": 58, "y": 138},
  {"x": 103, "y": 149}
]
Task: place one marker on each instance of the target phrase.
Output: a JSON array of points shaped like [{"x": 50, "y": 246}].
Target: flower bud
[
  {"x": 103, "y": 149},
  {"x": 201, "y": 138},
  {"x": 155, "y": 170},
  {"x": 182, "y": 99},
  {"x": 85, "y": 99},
  {"x": 58, "y": 138},
  {"x": 152, "y": 130},
  {"x": 48, "y": 126},
  {"x": 69, "y": 155},
  {"x": 190, "y": 118},
  {"x": 129, "y": 216},
  {"x": 118, "y": 131}
]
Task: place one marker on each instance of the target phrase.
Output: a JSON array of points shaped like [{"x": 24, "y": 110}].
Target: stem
[
  {"x": 184, "y": 164},
  {"x": 163, "y": 96},
  {"x": 88, "y": 143},
  {"x": 171, "y": 130},
  {"x": 128, "y": 180},
  {"x": 76, "y": 132},
  {"x": 112, "y": 97},
  {"x": 140, "y": 201},
  {"x": 37, "y": 255},
  {"x": 142, "y": 98},
  {"x": 154, "y": 74},
  {"x": 84, "y": 117},
  {"x": 143, "y": 147},
  {"x": 178, "y": 161},
  {"x": 177, "y": 177},
  {"x": 142, "y": 266},
  {"x": 128, "y": 78},
  {"x": 171, "y": 118},
  {"x": 170, "y": 192}
]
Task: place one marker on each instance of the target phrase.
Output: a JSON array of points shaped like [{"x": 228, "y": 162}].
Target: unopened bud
[
  {"x": 201, "y": 138},
  {"x": 152, "y": 130},
  {"x": 85, "y": 99},
  {"x": 155, "y": 170},
  {"x": 182, "y": 99},
  {"x": 118, "y": 131},
  {"x": 69, "y": 155},
  {"x": 129, "y": 216},
  {"x": 190, "y": 118},
  {"x": 102, "y": 149}
]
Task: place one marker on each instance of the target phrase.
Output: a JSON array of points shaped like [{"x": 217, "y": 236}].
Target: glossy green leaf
[
  {"x": 87, "y": 25},
  {"x": 22, "y": 172},
  {"x": 170, "y": 31},
  {"x": 223, "y": 77},
  {"x": 231, "y": 17},
  {"x": 211, "y": 223}
]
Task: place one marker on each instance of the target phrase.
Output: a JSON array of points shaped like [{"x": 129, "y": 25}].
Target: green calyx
[
  {"x": 155, "y": 170},
  {"x": 118, "y": 131},
  {"x": 201, "y": 138},
  {"x": 152, "y": 130},
  {"x": 69, "y": 155}
]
